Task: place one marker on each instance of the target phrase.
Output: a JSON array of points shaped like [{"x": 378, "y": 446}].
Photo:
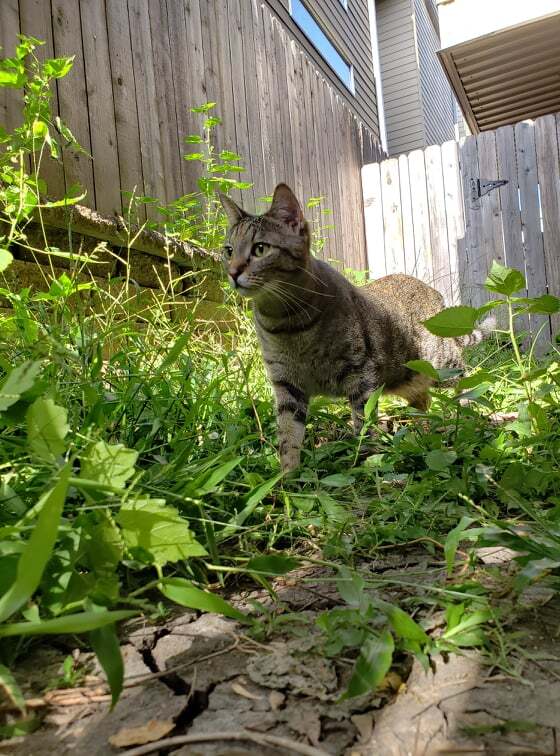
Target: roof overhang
[{"x": 508, "y": 75}]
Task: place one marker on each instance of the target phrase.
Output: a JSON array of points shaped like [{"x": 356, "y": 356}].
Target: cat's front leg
[{"x": 291, "y": 411}]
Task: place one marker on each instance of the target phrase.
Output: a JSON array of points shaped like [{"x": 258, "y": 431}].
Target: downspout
[{"x": 377, "y": 73}]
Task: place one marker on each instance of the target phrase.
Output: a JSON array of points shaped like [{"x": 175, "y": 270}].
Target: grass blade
[
  {"x": 38, "y": 550},
  {"x": 81, "y": 622},
  {"x": 105, "y": 643}
]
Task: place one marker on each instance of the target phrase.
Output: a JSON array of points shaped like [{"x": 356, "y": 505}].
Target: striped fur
[{"x": 318, "y": 333}]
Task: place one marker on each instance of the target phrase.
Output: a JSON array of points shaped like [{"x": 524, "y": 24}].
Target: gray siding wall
[
  {"x": 348, "y": 30},
  {"x": 400, "y": 78},
  {"x": 437, "y": 96}
]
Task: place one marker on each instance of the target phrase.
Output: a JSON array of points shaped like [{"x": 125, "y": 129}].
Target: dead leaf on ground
[
  {"x": 364, "y": 725},
  {"x": 276, "y": 699},
  {"x": 242, "y": 691},
  {"x": 153, "y": 730}
]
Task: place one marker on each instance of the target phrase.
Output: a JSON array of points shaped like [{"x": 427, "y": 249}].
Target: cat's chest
[{"x": 303, "y": 360}]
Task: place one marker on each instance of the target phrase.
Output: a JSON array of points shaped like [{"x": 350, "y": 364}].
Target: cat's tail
[{"x": 481, "y": 332}]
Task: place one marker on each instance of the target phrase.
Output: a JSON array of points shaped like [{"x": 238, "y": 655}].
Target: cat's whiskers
[
  {"x": 295, "y": 298},
  {"x": 303, "y": 288},
  {"x": 271, "y": 290},
  {"x": 288, "y": 297},
  {"x": 306, "y": 270}
]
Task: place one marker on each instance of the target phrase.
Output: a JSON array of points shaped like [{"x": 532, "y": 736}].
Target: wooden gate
[{"x": 443, "y": 214}]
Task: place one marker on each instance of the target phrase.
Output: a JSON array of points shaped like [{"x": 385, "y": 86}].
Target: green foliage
[{"x": 24, "y": 193}]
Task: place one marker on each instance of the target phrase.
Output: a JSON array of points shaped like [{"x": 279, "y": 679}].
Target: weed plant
[{"x": 137, "y": 450}]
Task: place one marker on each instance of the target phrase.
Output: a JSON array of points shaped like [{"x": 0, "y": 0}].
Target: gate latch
[{"x": 480, "y": 187}]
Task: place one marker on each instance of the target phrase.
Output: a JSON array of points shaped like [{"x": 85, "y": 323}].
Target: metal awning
[{"x": 508, "y": 75}]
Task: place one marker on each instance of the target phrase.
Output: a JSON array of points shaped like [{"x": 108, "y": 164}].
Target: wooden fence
[
  {"x": 139, "y": 66},
  {"x": 424, "y": 215}
]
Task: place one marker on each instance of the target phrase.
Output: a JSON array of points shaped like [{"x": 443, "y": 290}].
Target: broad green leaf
[
  {"x": 271, "y": 564},
  {"x": 58, "y": 67},
  {"x": 452, "y": 540},
  {"x": 424, "y": 367},
  {"x": 18, "y": 381},
  {"x": 403, "y": 625},
  {"x": 102, "y": 549},
  {"x": 338, "y": 480},
  {"x": 110, "y": 464},
  {"x": 371, "y": 666},
  {"x": 183, "y": 592},
  {"x": 545, "y": 303},
  {"x": 474, "y": 380},
  {"x": 332, "y": 509},
  {"x": 254, "y": 499},
  {"x": 453, "y": 615},
  {"x": 40, "y": 129},
  {"x": 471, "y": 621},
  {"x": 203, "y": 108},
  {"x": 212, "y": 121},
  {"x": 440, "y": 459},
  {"x": 475, "y": 393},
  {"x": 504, "y": 280},
  {"x": 11, "y": 689},
  {"x": 228, "y": 155},
  {"x": 38, "y": 549},
  {"x": 105, "y": 643},
  {"x": 82, "y": 622},
  {"x": 351, "y": 586},
  {"x": 157, "y": 528},
  {"x": 6, "y": 258},
  {"x": 65, "y": 201},
  {"x": 47, "y": 428},
  {"x": 454, "y": 321},
  {"x": 11, "y": 76}
]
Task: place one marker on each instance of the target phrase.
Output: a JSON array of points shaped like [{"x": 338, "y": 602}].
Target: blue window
[{"x": 322, "y": 43}]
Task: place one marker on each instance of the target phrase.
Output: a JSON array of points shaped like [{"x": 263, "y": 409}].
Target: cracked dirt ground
[{"x": 202, "y": 675}]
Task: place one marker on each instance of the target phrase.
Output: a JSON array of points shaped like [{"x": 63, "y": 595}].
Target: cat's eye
[
  {"x": 228, "y": 250},
  {"x": 258, "y": 249}
]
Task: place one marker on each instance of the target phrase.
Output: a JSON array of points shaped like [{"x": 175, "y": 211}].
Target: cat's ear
[
  {"x": 286, "y": 208},
  {"x": 234, "y": 212}
]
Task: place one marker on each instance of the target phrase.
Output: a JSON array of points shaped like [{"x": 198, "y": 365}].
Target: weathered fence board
[
  {"x": 457, "y": 233},
  {"x": 438, "y": 219},
  {"x": 35, "y": 21},
  {"x": 99, "y": 88},
  {"x": 141, "y": 65},
  {"x": 72, "y": 94},
  {"x": 533, "y": 246},
  {"x": 423, "y": 266},
  {"x": 548, "y": 161}
]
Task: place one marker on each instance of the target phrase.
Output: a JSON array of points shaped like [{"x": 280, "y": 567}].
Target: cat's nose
[{"x": 235, "y": 273}]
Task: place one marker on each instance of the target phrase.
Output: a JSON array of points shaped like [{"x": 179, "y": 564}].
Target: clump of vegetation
[{"x": 137, "y": 459}]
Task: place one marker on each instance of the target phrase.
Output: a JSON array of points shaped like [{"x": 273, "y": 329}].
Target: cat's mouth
[
  {"x": 246, "y": 291},
  {"x": 243, "y": 286}
]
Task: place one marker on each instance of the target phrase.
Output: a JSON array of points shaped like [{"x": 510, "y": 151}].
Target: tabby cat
[{"x": 318, "y": 333}]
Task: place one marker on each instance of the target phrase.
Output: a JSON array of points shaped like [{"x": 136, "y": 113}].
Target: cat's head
[{"x": 262, "y": 251}]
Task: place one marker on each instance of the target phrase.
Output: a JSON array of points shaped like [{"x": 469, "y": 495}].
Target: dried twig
[{"x": 283, "y": 744}]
